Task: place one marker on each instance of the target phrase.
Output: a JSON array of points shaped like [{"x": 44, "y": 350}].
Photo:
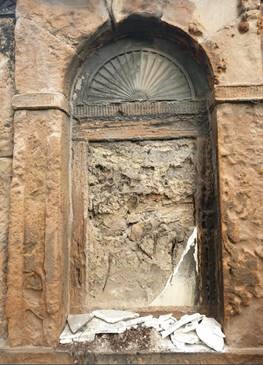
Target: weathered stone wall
[
  {"x": 240, "y": 153},
  {"x": 50, "y": 37},
  {"x": 7, "y": 24}
]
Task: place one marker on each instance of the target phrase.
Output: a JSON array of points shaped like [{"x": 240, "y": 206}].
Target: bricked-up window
[{"x": 143, "y": 179}]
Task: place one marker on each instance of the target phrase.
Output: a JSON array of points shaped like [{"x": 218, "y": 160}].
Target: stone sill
[{"x": 43, "y": 355}]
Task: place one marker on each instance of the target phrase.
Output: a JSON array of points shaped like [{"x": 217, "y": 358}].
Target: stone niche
[{"x": 144, "y": 176}]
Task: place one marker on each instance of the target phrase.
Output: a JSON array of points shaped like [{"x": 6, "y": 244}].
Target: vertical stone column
[
  {"x": 38, "y": 239},
  {"x": 7, "y": 25},
  {"x": 240, "y": 151}
]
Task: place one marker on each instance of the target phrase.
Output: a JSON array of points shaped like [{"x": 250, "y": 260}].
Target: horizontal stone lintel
[
  {"x": 238, "y": 93},
  {"x": 38, "y": 101}
]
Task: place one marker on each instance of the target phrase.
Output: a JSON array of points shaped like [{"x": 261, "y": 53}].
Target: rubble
[{"x": 194, "y": 332}]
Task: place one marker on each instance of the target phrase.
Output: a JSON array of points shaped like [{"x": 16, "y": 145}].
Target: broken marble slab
[
  {"x": 165, "y": 323},
  {"x": 97, "y": 325},
  {"x": 114, "y": 316},
  {"x": 133, "y": 323},
  {"x": 181, "y": 322},
  {"x": 66, "y": 335},
  {"x": 151, "y": 322},
  {"x": 190, "y": 338},
  {"x": 210, "y": 333},
  {"x": 78, "y": 321},
  {"x": 191, "y": 326}
]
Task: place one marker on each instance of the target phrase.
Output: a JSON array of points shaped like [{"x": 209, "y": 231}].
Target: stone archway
[{"x": 134, "y": 97}]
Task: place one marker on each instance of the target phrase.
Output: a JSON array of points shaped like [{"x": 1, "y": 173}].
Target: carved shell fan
[{"x": 139, "y": 75}]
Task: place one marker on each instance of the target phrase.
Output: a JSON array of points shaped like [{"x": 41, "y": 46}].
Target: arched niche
[{"x": 144, "y": 174}]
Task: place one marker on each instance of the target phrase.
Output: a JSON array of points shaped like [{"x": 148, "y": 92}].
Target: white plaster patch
[{"x": 179, "y": 289}]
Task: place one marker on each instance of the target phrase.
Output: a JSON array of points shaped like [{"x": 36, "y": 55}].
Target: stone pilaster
[
  {"x": 239, "y": 126},
  {"x": 38, "y": 242}
]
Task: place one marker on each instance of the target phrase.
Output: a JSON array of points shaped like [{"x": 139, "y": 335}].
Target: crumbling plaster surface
[
  {"x": 240, "y": 152},
  {"x": 141, "y": 212}
]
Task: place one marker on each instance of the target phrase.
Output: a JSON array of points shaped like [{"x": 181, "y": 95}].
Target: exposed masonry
[{"x": 141, "y": 212}]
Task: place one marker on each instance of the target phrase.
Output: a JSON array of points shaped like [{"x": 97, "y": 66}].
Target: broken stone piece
[
  {"x": 165, "y": 323},
  {"x": 210, "y": 333},
  {"x": 85, "y": 337},
  {"x": 98, "y": 326},
  {"x": 114, "y": 316},
  {"x": 133, "y": 323},
  {"x": 66, "y": 335},
  {"x": 78, "y": 321},
  {"x": 191, "y": 326},
  {"x": 190, "y": 338},
  {"x": 178, "y": 344},
  {"x": 182, "y": 321},
  {"x": 151, "y": 322}
]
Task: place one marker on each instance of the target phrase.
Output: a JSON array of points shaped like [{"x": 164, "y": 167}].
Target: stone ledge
[
  {"x": 38, "y": 101},
  {"x": 238, "y": 93},
  {"x": 30, "y": 355}
]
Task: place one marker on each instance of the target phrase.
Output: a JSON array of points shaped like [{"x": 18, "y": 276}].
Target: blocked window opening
[
  {"x": 141, "y": 213},
  {"x": 143, "y": 179}
]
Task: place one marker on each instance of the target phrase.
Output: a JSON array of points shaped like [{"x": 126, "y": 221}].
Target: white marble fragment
[
  {"x": 164, "y": 324},
  {"x": 97, "y": 326},
  {"x": 210, "y": 333},
  {"x": 66, "y": 335},
  {"x": 191, "y": 326},
  {"x": 113, "y": 316},
  {"x": 78, "y": 321},
  {"x": 190, "y": 338},
  {"x": 133, "y": 323},
  {"x": 151, "y": 322},
  {"x": 181, "y": 322},
  {"x": 85, "y": 337},
  {"x": 178, "y": 344}
]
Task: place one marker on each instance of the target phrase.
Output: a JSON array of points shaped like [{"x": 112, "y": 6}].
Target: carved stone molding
[
  {"x": 239, "y": 93},
  {"x": 139, "y": 109},
  {"x": 141, "y": 74},
  {"x": 37, "y": 101}
]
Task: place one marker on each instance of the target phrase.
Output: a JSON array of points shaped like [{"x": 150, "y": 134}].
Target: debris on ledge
[{"x": 191, "y": 333}]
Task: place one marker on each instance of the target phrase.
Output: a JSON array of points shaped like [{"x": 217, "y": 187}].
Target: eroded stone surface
[
  {"x": 47, "y": 36},
  {"x": 37, "y": 292},
  {"x": 141, "y": 213},
  {"x": 5, "y": 177},
  {"x": 240, "y": 161},
  {"x": 6, "y": 84},
  {"x": 6, "y": 145},
  {"x": 57, "y": 28}
]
